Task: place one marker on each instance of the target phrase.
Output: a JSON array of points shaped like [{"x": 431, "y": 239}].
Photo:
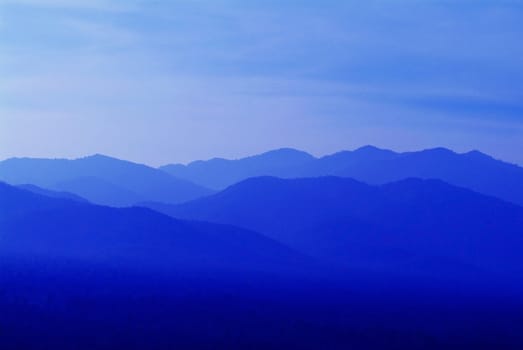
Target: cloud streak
[{"x": 315, "y": 77}]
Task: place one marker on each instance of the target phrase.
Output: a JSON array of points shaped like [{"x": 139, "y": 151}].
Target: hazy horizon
[
  {"x": 373, "y": 198},
  {"x": 316, "y": 155},
  {"x": 171, "y": 82}
]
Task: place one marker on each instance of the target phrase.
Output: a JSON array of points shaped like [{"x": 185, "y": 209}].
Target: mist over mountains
[
  {"x": 346, "y": 242},
  {"x": 473, "y": 170},
  {"x": 368, "y": 208},
  {"x": 400, "y": 225},
  {"x": 126, "y": 247},
  {"x": 100, "y": 179},
  {"x": 110, "y": 181},
  {"x": 38, "y": 226}
]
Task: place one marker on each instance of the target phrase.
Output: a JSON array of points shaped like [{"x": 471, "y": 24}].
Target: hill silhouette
[
  {"x": 39, "y": 227},
  {"x": 219, "y": 173},
  {"x": 100, "y": 179},
  {"x": 412, "y": 223},
  {"x": 83, "y": 276},
  {"x": 473, "y": 170}
]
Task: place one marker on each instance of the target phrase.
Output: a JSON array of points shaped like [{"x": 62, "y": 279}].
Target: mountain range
[
  {"x": 473, "y": 170},
  {"x": 100, "y": 253},
  {"x": 431, "y": 211},
  {"x": 35, "y": 226},
  {"x": 101, "y": 180},
  {"x": 109, "y": 181},
  {"x": 411, "y": 224}
]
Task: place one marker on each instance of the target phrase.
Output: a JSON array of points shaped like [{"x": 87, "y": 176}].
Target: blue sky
[{"x": 167, "y": 81}]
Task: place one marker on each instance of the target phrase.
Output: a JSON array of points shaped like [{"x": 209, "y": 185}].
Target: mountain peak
[
  {"x": 477, "y": 154},
  {"x": 279, "y": 157},
  {"x": 97, "y": 156},
  {"x": 438, "y": 150},
  {"x": 286, "y": 152},
  {"x": 369, "y": 149}
]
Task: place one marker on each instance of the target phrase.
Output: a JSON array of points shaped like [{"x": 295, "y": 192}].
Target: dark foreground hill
[
  {"x": 472, "y": 170},
  {"x": 424, "y": 225},
  {"x": 78, "y": 276},
  {"x": 100, "y": 179}
]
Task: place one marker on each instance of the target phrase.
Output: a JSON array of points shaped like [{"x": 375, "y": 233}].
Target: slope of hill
[
  {"x": 411, "y": 222},
  {"x": 473, "y": 170},
  {"x": 52, "y": 194},
  {"x": 100, "y": 191},
  {"x": 100, "y": 179},
  {"x": 34, "y": 226},
  {"x": 76, "y": 275}
]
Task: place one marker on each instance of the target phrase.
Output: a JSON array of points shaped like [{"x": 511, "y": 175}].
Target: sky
[{"x": 176, "y": 80}]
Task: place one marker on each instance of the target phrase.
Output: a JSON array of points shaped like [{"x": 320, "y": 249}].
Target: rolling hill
[
  {"x": 219, "y": 173},
  {"x": 34, "y": 226},
  {"x": 412, "y": 223},
  {"x": 100, "y": 179}
]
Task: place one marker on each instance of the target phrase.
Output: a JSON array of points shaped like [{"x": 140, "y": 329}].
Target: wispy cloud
[{"x": 313, "y": 76}]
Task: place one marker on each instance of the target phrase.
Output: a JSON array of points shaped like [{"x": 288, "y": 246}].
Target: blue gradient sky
[{"x": 165, "y": 81}]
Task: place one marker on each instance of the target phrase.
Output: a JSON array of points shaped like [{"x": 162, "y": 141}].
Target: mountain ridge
[
  {"x": 416, "y": 217},
  {"x": 473, "y": 170},
  {"x": 128, "y": 182},
  {"x": 133, "y": 236}
]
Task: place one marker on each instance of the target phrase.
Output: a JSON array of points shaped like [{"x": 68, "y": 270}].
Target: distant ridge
[
  {"x": 219, "y": 173},
  {"x": 101, "y": 179},
  {"x": 473, "y": 170}
]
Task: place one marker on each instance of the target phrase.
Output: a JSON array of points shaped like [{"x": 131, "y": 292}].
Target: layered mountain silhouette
[
  {"x": 473, "y": 170},
  {"x": 310, "y": 262},
  {"x": 100, "y": 179},
  {"x": 34, "y": 226},
  {"x": 413, "y": 223},
  {"x": 219, "y": 173},
  {"x": 405, "y": 223}
]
